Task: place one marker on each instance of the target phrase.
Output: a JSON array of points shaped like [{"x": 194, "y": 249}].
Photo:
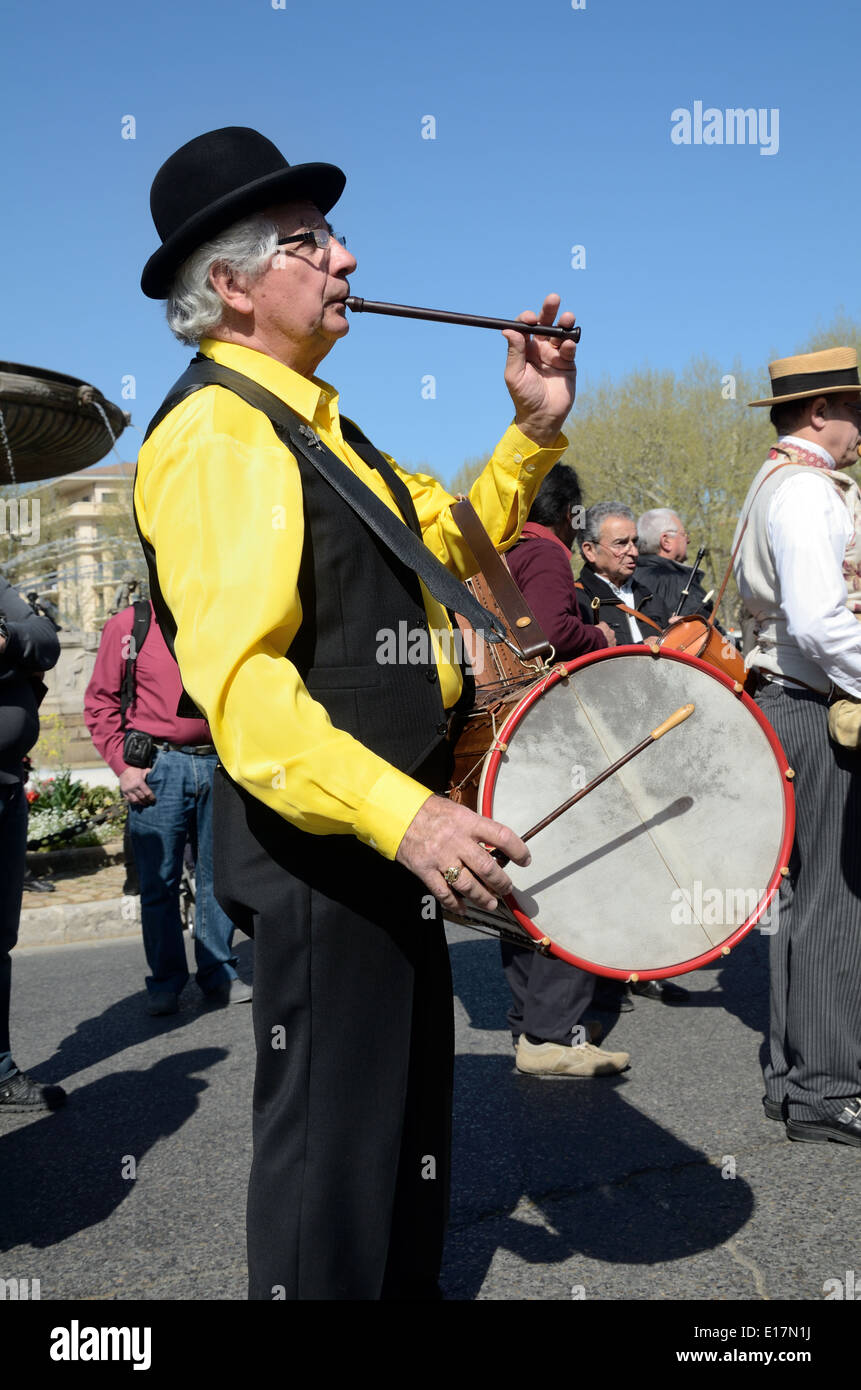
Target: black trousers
[
  {"x": 549, "y": 996},
  {"x": 13, "y": 862},
  {"x": 349, "y": 1187}
]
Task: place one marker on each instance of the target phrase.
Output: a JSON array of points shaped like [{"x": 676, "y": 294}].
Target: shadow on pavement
[
  {"x": 744, "y": 984},
  {"x": 65, "y": 1172},
  {"x": 125, "y": 1024},
  {"x": 610, "y": 1183}
]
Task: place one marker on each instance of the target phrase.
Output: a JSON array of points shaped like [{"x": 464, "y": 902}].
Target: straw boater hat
[
  {"x": 825, "y": 373},
  {"x": 214, "y": 181}
]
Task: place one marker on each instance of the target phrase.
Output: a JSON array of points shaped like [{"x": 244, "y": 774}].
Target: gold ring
[{"x": 451, "y": 876}]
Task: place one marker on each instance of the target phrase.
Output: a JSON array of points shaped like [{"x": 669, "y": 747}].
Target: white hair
[
  {"x": 194, "y": 308},
  {"x": 652, "y": 526}
]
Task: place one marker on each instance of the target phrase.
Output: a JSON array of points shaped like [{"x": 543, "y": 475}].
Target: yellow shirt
[{"x": 220, "y": 499}]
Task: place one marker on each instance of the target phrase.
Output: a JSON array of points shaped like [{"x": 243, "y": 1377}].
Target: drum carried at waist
[
  {"x": 668, "y": 863},
  {"x": 699, "y": 637}
]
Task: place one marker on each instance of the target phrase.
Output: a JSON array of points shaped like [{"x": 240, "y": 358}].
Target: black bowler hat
[{"x": 215, "y": 180}]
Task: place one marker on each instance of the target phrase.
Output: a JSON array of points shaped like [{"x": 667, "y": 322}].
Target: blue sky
[{"x": 552, "y": 131}]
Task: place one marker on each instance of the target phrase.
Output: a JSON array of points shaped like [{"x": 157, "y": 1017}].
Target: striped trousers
[{"x": 815, "y": 954}]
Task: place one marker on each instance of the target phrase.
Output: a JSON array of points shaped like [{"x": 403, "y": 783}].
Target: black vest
[{"x": 352, "y": 588}]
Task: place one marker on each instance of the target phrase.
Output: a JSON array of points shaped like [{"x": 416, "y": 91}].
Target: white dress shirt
[{"x": 808, "y": 530}]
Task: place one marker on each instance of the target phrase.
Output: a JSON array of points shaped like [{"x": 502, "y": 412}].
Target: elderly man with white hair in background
[
  {"x": 662, "y": 542},
  {"x": 609, "y": 592}
]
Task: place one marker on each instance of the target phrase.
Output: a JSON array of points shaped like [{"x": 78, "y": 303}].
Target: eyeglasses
[
  {"x": 317, "y": 236},
  {"x": 619, "y": 547}
]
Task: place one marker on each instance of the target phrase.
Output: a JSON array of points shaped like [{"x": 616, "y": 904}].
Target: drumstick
[
  {"x": 409, "y": 311},
  {"x": 674, "y": 720}
]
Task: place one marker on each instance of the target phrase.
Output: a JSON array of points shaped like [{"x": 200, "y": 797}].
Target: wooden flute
[{"x": 409, "y": 311}]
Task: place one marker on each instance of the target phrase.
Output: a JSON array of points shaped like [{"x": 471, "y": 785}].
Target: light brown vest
[{"x": 768, "y": 645}]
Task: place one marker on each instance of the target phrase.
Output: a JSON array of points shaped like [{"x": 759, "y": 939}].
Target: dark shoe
[
  {"x": 844, "y": 1128},
  {"x": 661, "y": 990},
  {"x": 613, "y": 1001},
  {"x": 20, "y": 1092},
  {"x": 237, "y": 992},
  {"x": 161, "y": 1002},
  {"x": 774, "y": 1109},
  {"x": 37, "y": 885}
]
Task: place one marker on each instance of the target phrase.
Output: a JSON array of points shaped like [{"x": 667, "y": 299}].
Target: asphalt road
[{"x": 664, "y": 1184}]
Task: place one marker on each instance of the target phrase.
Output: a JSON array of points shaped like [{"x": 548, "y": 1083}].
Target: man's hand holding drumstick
[
  {"x": 476, "y": 866},
  {"x": 445, "y": 847}
]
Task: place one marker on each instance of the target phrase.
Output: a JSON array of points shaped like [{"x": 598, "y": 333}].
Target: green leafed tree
[{"x": 688, "y": 442}]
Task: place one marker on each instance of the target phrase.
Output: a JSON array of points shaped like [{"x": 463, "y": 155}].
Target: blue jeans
[
  {"x": 182, "y": 786},
  {"x": 13, "y": 849}
]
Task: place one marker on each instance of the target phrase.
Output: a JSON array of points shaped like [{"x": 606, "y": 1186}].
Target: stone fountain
[{"x": 52, "y": 424}]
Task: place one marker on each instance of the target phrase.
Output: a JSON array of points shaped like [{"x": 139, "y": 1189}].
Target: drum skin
[{"x": 669, "y": 863}]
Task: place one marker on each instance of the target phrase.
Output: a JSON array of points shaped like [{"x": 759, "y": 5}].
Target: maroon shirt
[
  {"x": 541, "y": 565},
  {"x": 157, "y": 691}
]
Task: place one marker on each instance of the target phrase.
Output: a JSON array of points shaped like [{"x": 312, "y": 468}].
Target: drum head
[{"x": 672, "y": 859}]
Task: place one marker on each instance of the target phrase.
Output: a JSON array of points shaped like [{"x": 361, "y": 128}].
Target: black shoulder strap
[
  {"x": 404, "y": 541},
  {"x": 371, "y": 455},
  {"x": 140, "y": 628}
]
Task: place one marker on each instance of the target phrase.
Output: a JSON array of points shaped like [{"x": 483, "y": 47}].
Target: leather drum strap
[
  {"x": 721, "y": 591},
  {"x": 623, "y": 608},
  {"x": 522, "y": 622},
  {"x": 640, "y": 617}
]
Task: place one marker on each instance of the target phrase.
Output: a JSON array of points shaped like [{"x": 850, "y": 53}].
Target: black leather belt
[{"x": 197, "y": 750}]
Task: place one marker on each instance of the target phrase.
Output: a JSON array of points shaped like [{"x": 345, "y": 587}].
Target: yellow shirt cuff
[
  {"x": 387, "y": 811},
  {"x": 515, "y": 450}
]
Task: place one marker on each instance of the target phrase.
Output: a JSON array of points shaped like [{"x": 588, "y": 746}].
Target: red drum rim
[{"x": 656, "y": 653}]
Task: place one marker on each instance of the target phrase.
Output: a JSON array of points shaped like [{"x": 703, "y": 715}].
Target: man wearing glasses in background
[
  {"x": 329, "y": 845},
  {"x": 608, "y": 589}
]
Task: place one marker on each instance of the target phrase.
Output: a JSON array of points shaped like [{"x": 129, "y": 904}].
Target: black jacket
[
  {"x": 608, "y": 609},
  {"x": 666, "y": 579},
  {"x": 32, "y": 646}
]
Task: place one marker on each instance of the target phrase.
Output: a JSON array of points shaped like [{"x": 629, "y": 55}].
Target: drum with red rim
[{"x": 672, "y": 860}]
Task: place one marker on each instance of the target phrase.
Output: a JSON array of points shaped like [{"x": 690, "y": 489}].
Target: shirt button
[
  {"x": 518, "y": 458},
  {"x": 529, "y": 468},
  {"x": 431, "y": 675},
  {"x": 442, "y": 729}
]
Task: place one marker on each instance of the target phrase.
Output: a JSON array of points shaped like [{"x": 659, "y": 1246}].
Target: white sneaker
[{"x": 552, "y": 1059}]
